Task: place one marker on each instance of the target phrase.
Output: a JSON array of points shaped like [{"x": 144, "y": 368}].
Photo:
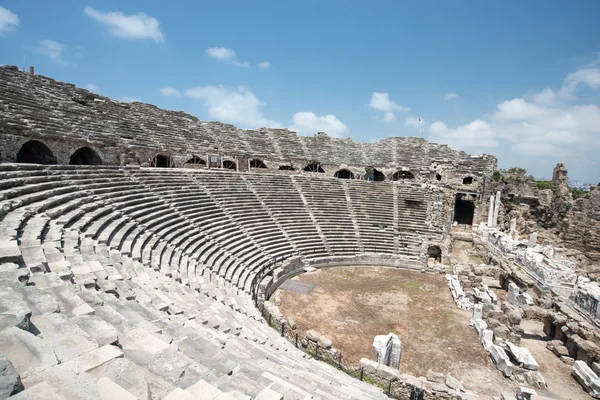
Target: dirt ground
[{"x": 352, "y": 305}]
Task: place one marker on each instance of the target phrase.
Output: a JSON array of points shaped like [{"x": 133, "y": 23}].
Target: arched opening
[
  {"x": 314, "y": 167},
  {"x": 464, "y": 208},
  {"x": 401, "y": 175},
  {"x": 196, "y": 161},
  {"x": 228, "y": 164},
  {"x": 256, "y": 163},
  {"x": 438, "y": 177},
  {"x": 435, "y": 252},
  {"x": 374, "y": 175},
  {"x": 161, "y": 161},
  {"x": 35, "y": 152},
  {"x": 467, "y": 180},
  {"x": 85, "y": 156},
  {"x": 286, "y": 168},
  {"x": 344, "y": 174}
]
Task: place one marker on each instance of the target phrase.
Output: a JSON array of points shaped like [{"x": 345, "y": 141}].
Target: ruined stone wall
[{"x": 66, "y": 117}]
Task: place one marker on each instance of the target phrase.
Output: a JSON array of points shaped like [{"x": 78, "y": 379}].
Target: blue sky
[{"x": 517, "y": 79}]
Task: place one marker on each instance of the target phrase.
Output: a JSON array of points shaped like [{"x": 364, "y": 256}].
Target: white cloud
[
  {"x": 306, "y": 122},
  {"x": 137, "y": 26},
  {"x": 239, "y": 106},
  {"x": 477, "y": 134},
  {"x": 129, "y": 99},
  {"x": 91, "y": 87},
  {"x": 8, "y": 20},
  {"x": 547, "y": 127},
  {"x": 244, "y": 64},
  {"x": 242, "y": 107},
  {"x": 169, "y": 91},
  {"x": 221, "y": 53},
  {"x": 451, "y": 96},
  {"x": 227, "y": 55},
  {"x": 53, "y": 50},
  {"x": 589, "y": 76},
  {"x": 264, "y": 65},
  {"x": 382, "y": 102}
]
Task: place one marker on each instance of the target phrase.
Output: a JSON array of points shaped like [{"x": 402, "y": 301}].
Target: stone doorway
[{"x": 464, "y": 208}]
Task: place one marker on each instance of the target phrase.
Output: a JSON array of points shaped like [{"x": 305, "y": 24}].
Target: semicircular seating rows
[{"x": 136, "y": 281}]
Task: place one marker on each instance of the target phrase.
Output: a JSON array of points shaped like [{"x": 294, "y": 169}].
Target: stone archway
[
  {"x": 344, "y": 174},
  {"x": 35, "y": 152},
  {"x": 195, "y": 160},
  {"x": 228, "y": 164},
  {"x": 257, "y": 163},
  {"x": 435, "y": 252},
  {"x": 402, "y": 175},
  {"x": 374, "y": 175},
  {"x": 85, "y": 156},
  {"x": 162, "y": 161},
  {"x": 314, "y": 167}
]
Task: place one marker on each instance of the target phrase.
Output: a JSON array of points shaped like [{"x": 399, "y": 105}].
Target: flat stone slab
[
  {"x": 292, "y": 285},
  {"x": 41, "y": 391}
]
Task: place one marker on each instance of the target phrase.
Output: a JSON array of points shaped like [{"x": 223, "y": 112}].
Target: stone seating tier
[{"x": 161, "y": 264}]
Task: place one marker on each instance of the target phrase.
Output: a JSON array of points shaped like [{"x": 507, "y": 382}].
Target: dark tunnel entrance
[
  {"x": 34, "y": 152},
  {"x": 85, "y": 156},
  {"x": 464, "y": 208}
]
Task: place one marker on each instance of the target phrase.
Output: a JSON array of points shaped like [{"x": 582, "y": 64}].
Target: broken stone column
[
  {"x": 533, "y": 239},
  {"x": 513, "y": 228},
  {"x": 388, "y": 349},
  {"x": 491, "y": 212},
  {"x": 496, "y": 208}
]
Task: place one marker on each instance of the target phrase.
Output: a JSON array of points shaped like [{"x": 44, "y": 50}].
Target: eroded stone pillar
[
  {"x": 491, "y": 212},
  {"x": 496, "y": 209}
]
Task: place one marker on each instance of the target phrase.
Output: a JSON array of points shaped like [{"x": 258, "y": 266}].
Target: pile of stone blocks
[
  {"x": 458, "y": 294},
  {"x": 403, "y": 386},
  {"x": 501, "y": 342},
  {"x": 516, "y": 298},
  {"x": 587, "y": 378}
]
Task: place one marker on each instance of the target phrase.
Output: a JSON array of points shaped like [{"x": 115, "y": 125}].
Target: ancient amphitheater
[{"x": 139, "y": 248}]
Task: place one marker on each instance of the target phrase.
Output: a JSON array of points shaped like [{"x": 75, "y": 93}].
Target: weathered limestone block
[
  {"x": 501, "y": 360},
  {"x": 479, "y": 325},
  {"x": 10, "y": 381},
  {"x": 324, "y": 342},
  {"x": 523, "y": 357},
  {"x": 388, "y": 349},
  {"x": 312, "y": 335},
  {"x": 378, "y": 370},
  {"x": 487, "y": 338},
  {"x": 501, "y": 332},
  {"x": 586, "y": 378},
  {"x": 433, "y": 376},
  {"x": 477, "y": 312}
]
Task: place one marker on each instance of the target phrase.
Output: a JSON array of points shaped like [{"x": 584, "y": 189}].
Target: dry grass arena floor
[{"x": 351, "y": 305}]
